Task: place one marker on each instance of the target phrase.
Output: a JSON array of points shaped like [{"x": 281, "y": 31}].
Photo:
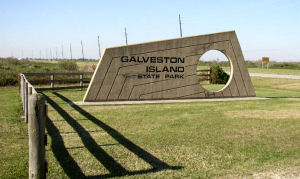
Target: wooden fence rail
[
  {"x": 205, "y": 75},
  {"x": 65, "y": 78},
  {"x": 34, "y": 108},
  {"x": 35, "y": 112}
]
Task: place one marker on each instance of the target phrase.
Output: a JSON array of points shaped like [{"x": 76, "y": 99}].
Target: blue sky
[{"x": 264, "y": 27}]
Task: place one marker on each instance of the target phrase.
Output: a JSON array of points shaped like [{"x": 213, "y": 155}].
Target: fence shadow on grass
[
  {"x": 60, "y": 152},
  {"x": 91, "y": 145}
]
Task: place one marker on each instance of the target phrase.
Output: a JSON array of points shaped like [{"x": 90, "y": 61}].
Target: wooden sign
[{"x": 167, "y": 69}]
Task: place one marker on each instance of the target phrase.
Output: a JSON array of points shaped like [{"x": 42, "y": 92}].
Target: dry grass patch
[
  {"x": 287, "y": 173},
  {"x": 263, "y": 114}
]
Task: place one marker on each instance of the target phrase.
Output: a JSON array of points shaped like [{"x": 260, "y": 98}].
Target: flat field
[{"x": 230, "y": 139}]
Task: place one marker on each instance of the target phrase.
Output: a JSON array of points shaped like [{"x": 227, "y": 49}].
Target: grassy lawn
[
  {"x": 208, "y": 139},
  {"x": 262, "y": 70},
  {"x": 213, "y": 87},
  {"x": 199, "y": 140},
  {"x": 13, "y": 135},
  {"x": 275, "y": 71}
]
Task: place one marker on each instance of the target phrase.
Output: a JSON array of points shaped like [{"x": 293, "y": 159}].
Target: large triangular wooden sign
[{"x": 167, "y": 70}]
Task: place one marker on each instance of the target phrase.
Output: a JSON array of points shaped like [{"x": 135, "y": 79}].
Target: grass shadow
[{"x": 90, "y": 144}]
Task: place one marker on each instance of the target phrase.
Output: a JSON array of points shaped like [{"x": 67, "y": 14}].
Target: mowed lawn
[{"x": 229, "y": 139}]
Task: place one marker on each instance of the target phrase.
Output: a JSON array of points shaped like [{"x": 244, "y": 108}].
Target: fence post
[
  {"x": 23, "y": 93},
  {"x": 81, "y": 81},
  {"x": 52, "y": 81},
  {"x": 210, "y": 72},
  {"x": 36, "y": 132},
  {"x": 21, "y": 88},
  {"x": 26, "y": 102},
  {"x": 19, "y": 82},
  {"x": 30, "y": 90}
]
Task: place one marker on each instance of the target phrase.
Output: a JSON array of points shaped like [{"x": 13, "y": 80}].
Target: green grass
[
  {"x": 230, "y": 139},
  {"x": 207, "y": 139},
  {"x": 275, "y": 71},
  {"x": 213, "y": 87},
  {"x": 13, "y": 135}
]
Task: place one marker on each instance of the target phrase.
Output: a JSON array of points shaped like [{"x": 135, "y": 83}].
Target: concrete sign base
[{"x": 167, "y": 70}]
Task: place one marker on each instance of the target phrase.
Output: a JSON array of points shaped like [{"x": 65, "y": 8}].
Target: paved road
[
  {"x": 270, "y": 75},
  {"x": 275, "y": 75}
]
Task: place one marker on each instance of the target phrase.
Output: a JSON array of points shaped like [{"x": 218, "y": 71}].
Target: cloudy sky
[{"x": 33, "y": 27}]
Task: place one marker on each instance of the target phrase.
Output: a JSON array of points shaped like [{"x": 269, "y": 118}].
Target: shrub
[
  {"x": 285, "y": 65},
  {"x": 7, "y": 78},
  {"x": 68, "y": 65},
  {"x": 218, "y": 75},
  {"x": 12, "y": 61}
]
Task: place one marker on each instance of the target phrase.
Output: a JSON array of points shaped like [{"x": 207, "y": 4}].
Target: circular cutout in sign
[{"x": 213, "y": 70}]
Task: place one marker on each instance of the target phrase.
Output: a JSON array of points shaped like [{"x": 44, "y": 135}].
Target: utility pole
[
  {"x": 180, "y": 26},
  {"x": 40, "y": 54},
  {"x": 62, "y": 52},
  {"x": 50, "y": 54},
  {"x": 71, "y": 50},
  {"x": 56, "y": 52},
  {"x": 99, "y": 48},
  {"x": 82, "y": 51},
  {"x": 46, "y": 57},
  {"x": 126, "y": 36}
]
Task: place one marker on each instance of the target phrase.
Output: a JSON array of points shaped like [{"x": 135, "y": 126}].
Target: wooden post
[
  {"x": 36, "y": 132},
  {"x": 23, "y": 93},
  {"x": 30, "y": 90},
  {"x": 21, "y": 87},
  {"x": 52, "y": 81},
  {"x": 26, "y": 102},
  {"x": 19, "y": 82},
  {"x": 81, "y": 81},
  {"x": 210, "y": 72}
]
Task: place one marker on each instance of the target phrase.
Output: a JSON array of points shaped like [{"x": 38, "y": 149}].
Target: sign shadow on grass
[{"x": 70, "y": 166}]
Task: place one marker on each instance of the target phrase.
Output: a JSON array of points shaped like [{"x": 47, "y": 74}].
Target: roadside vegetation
[
  {"x": 256, "y": 64},
  {"x": 11, "y": 67}
]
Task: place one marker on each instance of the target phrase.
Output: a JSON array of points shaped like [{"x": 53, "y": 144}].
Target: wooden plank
[
  {"x": 85, "y": 80},
  {"x": 204, "y": 71},
  {"x": 63, "y": 87},
  {"x": 57, "y": 73}
]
